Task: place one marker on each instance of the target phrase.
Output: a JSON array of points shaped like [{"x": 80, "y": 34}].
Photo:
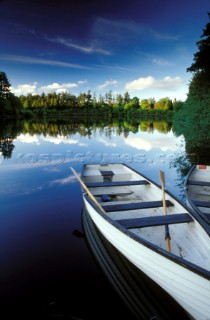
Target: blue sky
[{"x": 142, "y": 47}]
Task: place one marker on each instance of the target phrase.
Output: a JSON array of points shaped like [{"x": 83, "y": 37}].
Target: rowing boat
[
  {"x": 137, "y": 217},
  {"x": 197, "y": 190},
  {"x": 143, "y": 297}
]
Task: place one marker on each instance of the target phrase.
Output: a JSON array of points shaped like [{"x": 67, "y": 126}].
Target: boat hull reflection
[{"x": 144, "y": 298}]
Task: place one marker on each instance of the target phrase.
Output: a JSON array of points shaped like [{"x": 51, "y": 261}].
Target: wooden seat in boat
[
  {"x": 155, "y": 221},
  {"x": 116, "y": 183},
  {"x": 135, "y": 205},
  {"x": 198, "y": 183}
]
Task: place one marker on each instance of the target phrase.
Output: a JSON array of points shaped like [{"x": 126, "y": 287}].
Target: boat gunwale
[{"x": 184, "y": 263}]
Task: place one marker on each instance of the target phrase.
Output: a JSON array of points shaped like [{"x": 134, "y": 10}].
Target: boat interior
[{"x": 136, "y": 204}]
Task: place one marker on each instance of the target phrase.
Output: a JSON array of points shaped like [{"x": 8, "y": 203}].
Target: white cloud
[
  {"x": 161, "y": 62},
  {"x": 60, "y": 139},
  {"x": 32, "y": 60},
  {"x": 107, "y": 143},
  {"x": 58, "y": 88},
  {"x": 27, "y": 138},
  {"x": 149, "y": 82},
  {"x": 64, "y": 181},
  {"x": 92, "y": 48},
  {"x": 82, "y": 81},
  {"x": 106, "y": 84},
  {"x": 149, "y": 142},
  {"x": 24, "y": 89}
]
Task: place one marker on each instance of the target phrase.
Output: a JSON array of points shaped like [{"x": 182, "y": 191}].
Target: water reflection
[
  {"x": 83, "y": 127},
  {"x": 197, "y": 144},
  {"x": 142, "y": 296}
]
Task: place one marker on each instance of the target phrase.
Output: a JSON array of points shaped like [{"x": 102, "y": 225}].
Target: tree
[
  {"x": 4, "y": 85},
  {"x": 145, "y": 105},
  {"x": 119, "y": 99},
  {"x": 163, "y": 104},
  {"x": 126, "y": 97},
  {"x": 108, "y": 98},
  {"x": 133, "y": 104},
  {"x": 202, "y": 57}
]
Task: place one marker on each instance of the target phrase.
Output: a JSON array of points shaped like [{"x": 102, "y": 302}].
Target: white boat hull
[{"x": 189, "y": 289}]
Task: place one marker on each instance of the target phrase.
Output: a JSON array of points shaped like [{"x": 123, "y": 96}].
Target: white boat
[
  {"x": 143, "y": 297},
  {"x": 197, "y": 190},
  {"x": 129, "y": 210}
]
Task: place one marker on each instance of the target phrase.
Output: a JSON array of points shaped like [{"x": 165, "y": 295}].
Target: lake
[{"x": 48, "y": 268}]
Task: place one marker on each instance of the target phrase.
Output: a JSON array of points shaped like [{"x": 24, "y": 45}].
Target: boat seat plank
[
  {"x": 155, "y": 221},
  {"x": 198, "y": 183},
  {"x": 107, "y": 173},
  {"x": 111, "y": 193},
  {"x": 204, "y": 204},
  {"x": 116, "y": 183},
  {"x": 135, "y": 205}
]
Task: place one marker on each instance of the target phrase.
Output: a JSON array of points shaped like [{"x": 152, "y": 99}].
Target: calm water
[{"x": 47, "y": 268}]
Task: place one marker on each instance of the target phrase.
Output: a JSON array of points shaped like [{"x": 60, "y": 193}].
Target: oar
[
  {"x": 167, "y": 234},
  {"x": 87, "y": 190}
]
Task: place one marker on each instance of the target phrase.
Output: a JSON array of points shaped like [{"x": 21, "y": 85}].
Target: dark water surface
[{"x": 47, "y": 269}]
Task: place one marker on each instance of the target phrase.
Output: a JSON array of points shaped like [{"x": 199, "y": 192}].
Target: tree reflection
[
  {"x": 197, "y": 140},
  {"x": 8, "y": 132},
  {"x": 85, "y": 127}
]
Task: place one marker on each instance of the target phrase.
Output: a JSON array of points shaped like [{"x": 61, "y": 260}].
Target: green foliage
[
  {"x": 9, "y": 104},
  {"x": 145, "y": 105},
  {"x": 193, "y": 119},
  {"x": 201, "y": 58},
  {"x": 132, "y": 104},
  {"x": 163, "y": 104},
  {"x": 4, "y": 85},
  {"x": 177, "y": 105}
]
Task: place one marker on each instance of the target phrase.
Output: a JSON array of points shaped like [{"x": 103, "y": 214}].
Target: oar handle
[{"x": 87, "y": 190}]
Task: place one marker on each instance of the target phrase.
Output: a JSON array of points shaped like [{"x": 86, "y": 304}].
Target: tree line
[
  {"x": 87, "y": 100},
  {"x": 39, "y": 103}
]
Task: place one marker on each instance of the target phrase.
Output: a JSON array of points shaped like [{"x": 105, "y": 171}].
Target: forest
[{"x": 66, "y": 102}]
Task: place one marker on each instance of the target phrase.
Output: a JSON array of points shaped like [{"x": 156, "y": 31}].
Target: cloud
[
  {"x": 24, "y": 89},
  {"x": 161, "y": 62},
  {"x": 60, "y": 139},
  {"x": 139, "y": 143},
  {"x": 107, "y": 143},
  {"x": 159, "y": 140},
  {"x": 27, "y": 138},
  {"x": 64, "y": 181},
  {"x": 149, "y": 82},
  {"x": 106, "y": 84},
  {"x": 32, "y": 60},
  {"x": 58, "y": 88},
  {"x": 93, "y": 48},
  {"x": 127, "y": 29}
]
